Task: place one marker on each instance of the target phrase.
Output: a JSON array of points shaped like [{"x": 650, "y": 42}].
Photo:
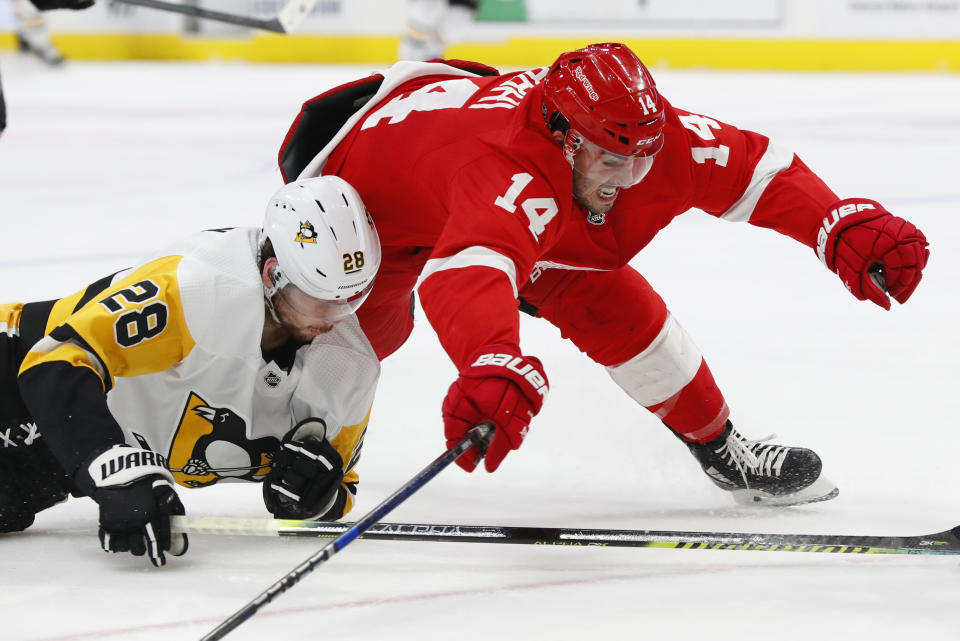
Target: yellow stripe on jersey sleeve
[
  {"x": 134, "y": 327},
  {"x": 61, "y": 311},
  {"x": 66, "y": 352},
  {"x": 348, "y": 503},
  {"x": 348, "y": 443},
  {"x": 10, "y": 318}
]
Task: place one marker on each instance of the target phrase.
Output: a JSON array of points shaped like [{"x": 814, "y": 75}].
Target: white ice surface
[{"x": 103, "y": 163}]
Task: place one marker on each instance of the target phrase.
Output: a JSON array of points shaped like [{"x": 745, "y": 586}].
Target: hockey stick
[
  {"x": 947, "y": 542},
  {"x": 479, "y": 436},
  {"x": 286, "y": 21}
]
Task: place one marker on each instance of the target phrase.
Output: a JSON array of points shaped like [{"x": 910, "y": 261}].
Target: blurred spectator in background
[
  {"x": 431, "y": 25},
  {"x": 32, "y": 36}
]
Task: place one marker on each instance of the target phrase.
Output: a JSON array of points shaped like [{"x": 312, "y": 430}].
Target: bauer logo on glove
[
  {"x": 831, "y": 220},
  {"x": 516, "y": 364},
  {"x": 501, "y": 386},
  {"x": 872, "y": 251}
]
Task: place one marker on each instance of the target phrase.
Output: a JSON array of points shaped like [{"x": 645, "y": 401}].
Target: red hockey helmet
[{"x": 607, "y": 95}]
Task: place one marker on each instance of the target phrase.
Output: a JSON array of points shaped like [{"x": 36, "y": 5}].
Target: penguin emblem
[
  {"x": 211, "y": 444},
  {"x": 307, "y": 233}
]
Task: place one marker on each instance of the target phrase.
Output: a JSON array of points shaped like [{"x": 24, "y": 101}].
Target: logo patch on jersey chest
[{"x": 272, "y": 379}]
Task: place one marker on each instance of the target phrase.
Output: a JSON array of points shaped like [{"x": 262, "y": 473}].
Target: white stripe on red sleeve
[
  {"x": 475, "y": 256},
  {"x": 662, "y": 369},
  {"x": 774, "y": 160}
]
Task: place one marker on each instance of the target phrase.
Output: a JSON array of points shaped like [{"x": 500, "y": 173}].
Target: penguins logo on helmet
[{"x": 307, "y": 233}]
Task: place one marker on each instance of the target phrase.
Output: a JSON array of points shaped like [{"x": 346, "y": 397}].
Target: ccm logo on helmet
[
  {"x": 511, "y": 362},
  {"x": 831, "y": 220}
]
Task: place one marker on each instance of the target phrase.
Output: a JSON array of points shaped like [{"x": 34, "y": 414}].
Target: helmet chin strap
[
  {"x": 268, "y": 303},
  {"x": 279, "y": 282},
  {"x": 572, "y": 142}
]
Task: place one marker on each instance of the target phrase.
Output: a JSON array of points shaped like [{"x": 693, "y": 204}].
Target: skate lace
[{"x": 753, "y": 456}]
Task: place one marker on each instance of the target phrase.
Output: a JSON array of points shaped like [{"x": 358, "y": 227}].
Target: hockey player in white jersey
[{"x": 234, "y": 355}]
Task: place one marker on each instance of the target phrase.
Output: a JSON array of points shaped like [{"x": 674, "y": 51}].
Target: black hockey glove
[
  {"x": 31, "y": 479},
  {"x": 45, "y": 5},
  {"x": 135, "y": 493},
  {"x": 304, "y": 480}
]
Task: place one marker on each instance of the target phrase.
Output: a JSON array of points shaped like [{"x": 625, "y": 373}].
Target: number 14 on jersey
[{"x": 539, "y": 211}]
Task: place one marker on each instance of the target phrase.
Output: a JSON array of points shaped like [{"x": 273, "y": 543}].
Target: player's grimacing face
[
  {"x": 593, "y": 194},
  {"x": 304, "y": 317},
  {"x": 598, "y": 178},
  {"x": 599, "y": 175},
  {"x": 301, "y": 327}
]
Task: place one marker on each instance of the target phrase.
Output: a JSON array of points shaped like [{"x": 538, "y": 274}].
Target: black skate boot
[{"x": 760, "y": 473}]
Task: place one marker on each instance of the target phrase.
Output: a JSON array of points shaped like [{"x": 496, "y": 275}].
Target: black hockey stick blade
[
  {"x": 946, "y": 542},
  {"x": 285, "y": 22}
]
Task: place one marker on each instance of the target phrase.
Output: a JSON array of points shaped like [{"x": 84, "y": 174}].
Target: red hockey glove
[
  {"x": 501, "y": 386},
  {"x": 872, "y": 250}
]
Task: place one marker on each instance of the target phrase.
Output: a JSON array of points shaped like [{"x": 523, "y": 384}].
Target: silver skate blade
[{"x": 822, "y": 489}]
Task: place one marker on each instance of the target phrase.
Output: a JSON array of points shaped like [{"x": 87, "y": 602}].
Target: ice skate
[
  {"x": 762, "y": 473},
  {"x": 38, "y": 44},
  {"x": 416, "y": 45}
]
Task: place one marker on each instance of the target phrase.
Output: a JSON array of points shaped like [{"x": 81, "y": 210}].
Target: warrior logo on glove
[{"x": 135, "y": 493}]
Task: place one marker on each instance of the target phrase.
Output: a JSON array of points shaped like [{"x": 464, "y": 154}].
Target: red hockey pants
[{"x": 614, "y": 317}]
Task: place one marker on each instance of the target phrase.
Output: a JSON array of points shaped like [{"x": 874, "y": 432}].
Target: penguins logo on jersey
[
  {"x": 307, "y": 233},
  {"x": 211, "y": 444}
]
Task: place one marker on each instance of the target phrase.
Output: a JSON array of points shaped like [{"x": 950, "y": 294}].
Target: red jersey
[{"x": 462, "y": 169}]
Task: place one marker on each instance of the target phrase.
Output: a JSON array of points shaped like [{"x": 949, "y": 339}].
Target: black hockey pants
[{"x": 31, "y": 480}]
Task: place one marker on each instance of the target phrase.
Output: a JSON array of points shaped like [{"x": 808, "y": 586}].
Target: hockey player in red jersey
[{"x": 538, "y": 187}]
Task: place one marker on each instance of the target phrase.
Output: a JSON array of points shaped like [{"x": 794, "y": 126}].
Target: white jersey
[{"x": 176, "y": 342}]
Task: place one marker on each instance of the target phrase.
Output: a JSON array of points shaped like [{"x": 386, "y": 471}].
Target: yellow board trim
[
  {"x": 258, "y": 48},
  {"x": 523, "y": 51},
  {"x": 721, "y": 53}
]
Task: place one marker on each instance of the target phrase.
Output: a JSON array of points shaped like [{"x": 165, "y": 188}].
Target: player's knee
[
  {"x": 31, "y": 480},
  {"x": 15, "y": 515}
]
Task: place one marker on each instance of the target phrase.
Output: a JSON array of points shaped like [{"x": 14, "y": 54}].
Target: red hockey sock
[{"x": 697, "y": 412}]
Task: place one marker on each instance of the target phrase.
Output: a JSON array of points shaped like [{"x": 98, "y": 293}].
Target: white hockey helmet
[{"x": 326, "y": 245}]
